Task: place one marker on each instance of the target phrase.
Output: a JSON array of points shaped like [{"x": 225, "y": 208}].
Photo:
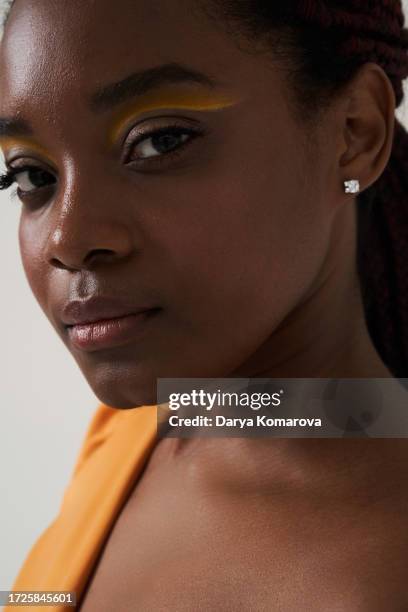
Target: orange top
[{"x": 114, "y": 451}]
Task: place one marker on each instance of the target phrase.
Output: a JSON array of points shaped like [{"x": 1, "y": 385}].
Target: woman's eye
[
  {"x": 160, "y": 143},
  {"x": 30, "y": 179}
]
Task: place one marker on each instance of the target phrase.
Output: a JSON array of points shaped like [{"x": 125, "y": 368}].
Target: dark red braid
[
  {"x": 374, "y": 31},
  {"x": 383, "y": 257}
]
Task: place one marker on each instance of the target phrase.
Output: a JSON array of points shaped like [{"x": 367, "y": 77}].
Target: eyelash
[{"x": 9, "y": 177}]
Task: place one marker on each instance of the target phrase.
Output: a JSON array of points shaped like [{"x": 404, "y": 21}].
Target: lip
[{"x": 103, "y": 322}]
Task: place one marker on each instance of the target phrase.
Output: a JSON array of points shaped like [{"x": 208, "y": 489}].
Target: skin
[
  {"x": 246, "y": 241},
  {"x": 8, "y": 145}
]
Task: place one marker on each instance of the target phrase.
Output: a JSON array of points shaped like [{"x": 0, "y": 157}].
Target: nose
[
  {"x": 102, "y": 245},
  {"x": 82, "y": 234}
]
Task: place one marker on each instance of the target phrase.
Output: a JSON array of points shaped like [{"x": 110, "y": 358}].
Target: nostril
[
  {"x": 57, "y": 264},
  {"x": 93, "y": 257},
  {"x": 99, "y": 254}
]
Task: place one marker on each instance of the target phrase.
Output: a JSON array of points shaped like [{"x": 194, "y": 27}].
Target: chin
[
  {"x": 132, "y": 398},
  {"x": 124, "y": 390}
]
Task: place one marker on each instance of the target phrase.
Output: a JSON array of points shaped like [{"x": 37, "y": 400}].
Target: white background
[{"x": 45, "y": 405}]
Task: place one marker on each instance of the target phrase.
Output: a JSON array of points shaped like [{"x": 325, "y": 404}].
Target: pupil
[
  {"x": 164, "y": 142},
  {"x": 39, "y": 178}
]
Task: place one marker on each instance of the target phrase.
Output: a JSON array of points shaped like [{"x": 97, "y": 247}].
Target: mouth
[{"x": 111, "y": 332}]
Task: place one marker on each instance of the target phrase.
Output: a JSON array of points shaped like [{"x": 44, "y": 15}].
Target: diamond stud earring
[{"x": 352, "y": 186}]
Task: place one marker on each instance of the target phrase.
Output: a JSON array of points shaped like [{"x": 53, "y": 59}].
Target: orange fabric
[{"x": 114, "y": 451}]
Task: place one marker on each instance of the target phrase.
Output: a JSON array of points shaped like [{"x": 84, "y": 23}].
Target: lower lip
[{"x": 110, "y": 332}]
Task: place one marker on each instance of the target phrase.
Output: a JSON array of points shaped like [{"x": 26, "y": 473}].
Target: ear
[{"x": 368, "y": 122}]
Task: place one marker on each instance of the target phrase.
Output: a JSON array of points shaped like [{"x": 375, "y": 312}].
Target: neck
[
  {"x": 323, "y": 337},
  {"x": 326, "y": 334}
]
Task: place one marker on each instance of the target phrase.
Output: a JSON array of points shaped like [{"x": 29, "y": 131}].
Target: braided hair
[{"x": 325, "y": 42}]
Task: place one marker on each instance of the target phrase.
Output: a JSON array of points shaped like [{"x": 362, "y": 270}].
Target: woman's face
[{"x": 217, "y": 225}]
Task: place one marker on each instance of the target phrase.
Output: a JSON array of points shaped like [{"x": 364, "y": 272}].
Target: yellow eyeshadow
[
  {"x": 7, "y": 143},
  {"x": 177, "y": 100}
]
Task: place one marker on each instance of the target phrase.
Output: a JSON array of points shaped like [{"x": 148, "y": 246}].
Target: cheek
[
  {"x": 34, "y": 268},
  {"x": 248, "y": 235},
  {"x": 242, "y": 254}
]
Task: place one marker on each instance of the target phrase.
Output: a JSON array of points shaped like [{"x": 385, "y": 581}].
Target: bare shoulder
[{"x": 181, "y": 543}]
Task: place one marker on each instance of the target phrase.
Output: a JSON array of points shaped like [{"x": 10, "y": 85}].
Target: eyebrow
[
  {"x": 145, "y": 81},
  {"x": 14, "y": 127},
  {"x": 134, "y": 85}
]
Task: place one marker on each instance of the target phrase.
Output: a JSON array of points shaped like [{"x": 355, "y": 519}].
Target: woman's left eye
[{"x": 159, "y": 143}]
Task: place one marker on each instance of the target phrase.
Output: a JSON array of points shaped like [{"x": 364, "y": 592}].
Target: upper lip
[{"x": 98, "y": 308}]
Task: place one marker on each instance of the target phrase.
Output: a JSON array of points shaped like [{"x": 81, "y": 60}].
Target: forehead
[{"x": 54, "y": 49}]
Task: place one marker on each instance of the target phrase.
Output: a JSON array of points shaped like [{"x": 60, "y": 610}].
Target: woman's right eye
[{"x": 30, "y": 179}]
